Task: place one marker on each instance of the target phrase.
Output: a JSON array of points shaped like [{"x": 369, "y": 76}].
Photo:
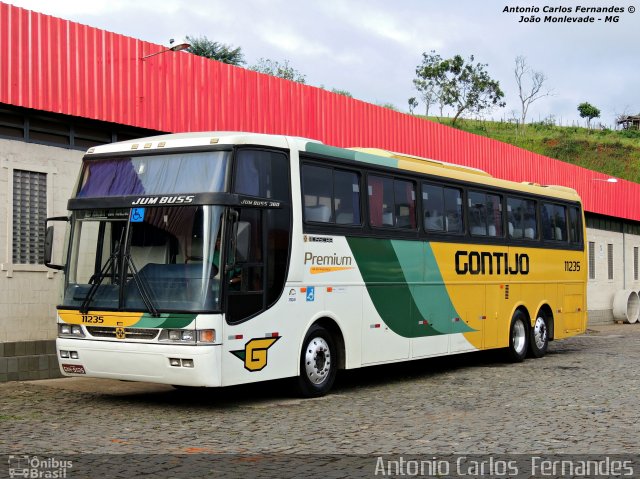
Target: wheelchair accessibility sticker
[
  {"x": 311, "y": 293},
  {"x": 137, "y": 215}
]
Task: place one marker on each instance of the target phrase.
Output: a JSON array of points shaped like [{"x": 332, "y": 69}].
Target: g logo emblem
[
  {"x": 254, "y": 353},
  {"x": 120, "y": 333}
]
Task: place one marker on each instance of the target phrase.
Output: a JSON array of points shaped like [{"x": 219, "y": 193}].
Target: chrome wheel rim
[
  {"x": 317, "y": 361},
  {"x": 540, "y": 333},
  {"x": 518, "y": 337}
]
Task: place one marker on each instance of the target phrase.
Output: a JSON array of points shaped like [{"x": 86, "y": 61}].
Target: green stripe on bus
[
  {"x": 166, "y": 320},
  {"x": 427, "y": 286},
  {"x": 392, "y": 296},
  {"x": 334, "y": 152}
]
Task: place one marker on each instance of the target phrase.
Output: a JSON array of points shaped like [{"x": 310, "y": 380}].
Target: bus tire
[
  {"x": 539, "y": 338},
  {"x": 518, "y": 337},
  {"x": 318, "y": 363}
]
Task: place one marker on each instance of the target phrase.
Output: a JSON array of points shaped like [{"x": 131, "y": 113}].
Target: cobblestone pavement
[{"x": 582, "y": 398}]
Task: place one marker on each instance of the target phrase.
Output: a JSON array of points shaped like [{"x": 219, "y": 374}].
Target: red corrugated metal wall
[{"x": 55, "y": 65}]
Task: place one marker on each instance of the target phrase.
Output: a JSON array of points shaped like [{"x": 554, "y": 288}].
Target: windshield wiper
[
  {"x": 96, "y": 280},
  {"x": 141, "y": 284}
]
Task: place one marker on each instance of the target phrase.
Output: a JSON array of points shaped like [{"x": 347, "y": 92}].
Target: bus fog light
[
  {"x": 174, "y": 362},
  {"x": 174, "y": 335},
  {"x": 207, "y": 336},
  {"x": 187, "y": 335},
  {"x": 64, "y": 354},
  {"x": 187, "y": 363},
  {"x": 73, "y": 354}
]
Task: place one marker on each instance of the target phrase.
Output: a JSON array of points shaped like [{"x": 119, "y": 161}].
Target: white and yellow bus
[{"x": 215, "y": 259}]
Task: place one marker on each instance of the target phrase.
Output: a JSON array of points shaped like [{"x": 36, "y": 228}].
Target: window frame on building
[{"x": 8, "y": 265}]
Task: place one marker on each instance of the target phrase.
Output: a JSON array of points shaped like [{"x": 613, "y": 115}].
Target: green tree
[
  {"x": 221, "y": 52},
  {"x": 413, "y": 103},
  {"x": 469, "y": 88},
  {"x": 430, "y": 80},
  {"x": 588, "y": 111},
  {"x": 277, "y": 69},
  {"x": 456, "y": 83}
]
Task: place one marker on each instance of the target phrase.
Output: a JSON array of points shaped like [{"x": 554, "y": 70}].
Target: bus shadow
[
  {"x": 374, "y": 376},
  {"x": 282, "y": 392}
]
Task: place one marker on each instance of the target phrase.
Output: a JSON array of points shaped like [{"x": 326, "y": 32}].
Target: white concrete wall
[
  {"x": 29, "y": 293},
  {"x": 601, "y": 290}
]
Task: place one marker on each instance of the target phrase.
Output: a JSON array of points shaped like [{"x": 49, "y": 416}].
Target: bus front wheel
[
  {"x": 318, "y": 363},
  {"x": 539, "y": 337},
  {"x": 518, "y": 337}
]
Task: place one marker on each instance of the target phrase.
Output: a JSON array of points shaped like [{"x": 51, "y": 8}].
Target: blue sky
[{"x": 372, "y": 47}]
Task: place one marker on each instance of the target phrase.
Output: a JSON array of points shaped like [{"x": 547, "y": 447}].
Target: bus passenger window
[
  {"x": 317, "y": 187},
  {"x": 442, "y": 209},
  {"x": 554, "y": 222},
  {"x": 392, "y": 203},
  {"x": 433, "y": 207},
  {"x": 575, "y": 233},
  {"x": 331, "y": 195},
  {"x": 453, "y": 210},
  {"x": 346, "y": 200},
  {"x": 381, "y": 207},
  {"x": 405, "y": 200},
  {"x": 485, "y": 214},
  {"x": 521, "y": 218}
]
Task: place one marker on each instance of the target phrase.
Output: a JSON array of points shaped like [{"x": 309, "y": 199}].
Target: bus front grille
[{"x": 129, "y": 333}]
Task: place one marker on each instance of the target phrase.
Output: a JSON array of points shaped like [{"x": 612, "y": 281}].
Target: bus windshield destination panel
[{"x": 216, "y": 259}]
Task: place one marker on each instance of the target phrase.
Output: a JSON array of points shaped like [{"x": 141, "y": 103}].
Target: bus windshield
[
  {"x": 194, "y": 172},
  {"x": 154, "y": 259}
]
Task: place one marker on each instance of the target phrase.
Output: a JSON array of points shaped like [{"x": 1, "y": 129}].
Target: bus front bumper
[{"x": 155, "y": 363}]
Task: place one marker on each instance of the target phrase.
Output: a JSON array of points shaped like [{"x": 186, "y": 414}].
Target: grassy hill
[{"x": 615, "y": 153}]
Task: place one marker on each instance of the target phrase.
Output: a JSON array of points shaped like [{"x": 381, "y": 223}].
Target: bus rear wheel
[
  {"x": 518, "y": 337},
  {"x": 318, "y": 363},
  {"x": 539, "y": 340}
]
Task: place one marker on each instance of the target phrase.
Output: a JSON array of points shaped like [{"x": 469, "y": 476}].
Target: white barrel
[{"x": 626, "y": 305}]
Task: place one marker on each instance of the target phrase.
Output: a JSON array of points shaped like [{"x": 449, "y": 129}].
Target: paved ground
[{"x": 582, "y": 398}]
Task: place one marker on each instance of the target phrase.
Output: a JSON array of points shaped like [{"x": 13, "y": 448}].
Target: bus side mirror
[{"x": 48, "y": 242}]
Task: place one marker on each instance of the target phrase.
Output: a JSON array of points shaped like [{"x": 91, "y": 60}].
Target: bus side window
[
  {"x": 330, "y": 195},
  {"x": 381, "y": 207},
  {"x": 317, "y": 188},
  {"x": 485, "y": 214},
  {"x": 575, "y": 233},
  {"x": 554, "y": 220},
  {"x": 392, "y": 202},
  {"x": 521, "y": 218},
  {"x": 442, "y": 209},
  {"x": 433, "y": 207},
  {"x": 405, "y": 200},
  {"x": 262, "y": 173},
  {"x": 346, "y": 189}
]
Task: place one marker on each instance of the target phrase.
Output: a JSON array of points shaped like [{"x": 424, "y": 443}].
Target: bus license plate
[{"x": 73, "y": 369}]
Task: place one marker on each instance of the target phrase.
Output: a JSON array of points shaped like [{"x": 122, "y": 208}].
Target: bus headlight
[
  {"x": 70, "y": 331},
  {"x": 188, "y": 336}
]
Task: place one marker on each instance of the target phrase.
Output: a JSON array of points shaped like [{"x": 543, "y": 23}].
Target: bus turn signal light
[{"x": 207, "y": 336}]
